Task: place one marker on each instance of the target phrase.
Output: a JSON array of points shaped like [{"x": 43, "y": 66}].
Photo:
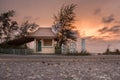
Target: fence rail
[{"x": 15, "y": 51}]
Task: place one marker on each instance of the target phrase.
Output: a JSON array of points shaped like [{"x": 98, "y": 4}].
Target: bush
[
  {"x": 58, "y": 50},
  {"x": 79, "y": 54},
  {"x": 14, "y": 47},
  {"x": 116, "y": 52}
]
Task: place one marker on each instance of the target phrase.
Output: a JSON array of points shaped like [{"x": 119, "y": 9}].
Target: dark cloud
[
  {"x": 94, "y": 38},
  {"x": 103, "y": 30},
  {"x": 108, "y": 19},
  {"x": 117, "y": 35},
  {"x": 105, "y": 19},
  {"x": 97, "y": 11},
  {"x": 114, "y": 29},
  {"x": 118, "y": 22},
  {"x": 87, "y": 37},
  {"x": 31, "y": 18},
  {"x": 27, "y": 17},
  {"x": 37, "y": 18}
]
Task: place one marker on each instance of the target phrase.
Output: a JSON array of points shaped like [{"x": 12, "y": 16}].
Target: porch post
[{"x": 35, "y": 45}]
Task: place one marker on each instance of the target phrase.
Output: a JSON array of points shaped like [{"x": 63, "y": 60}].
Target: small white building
[{"x": 43, "y": 41}]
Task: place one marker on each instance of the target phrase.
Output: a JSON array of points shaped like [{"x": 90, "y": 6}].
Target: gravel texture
[{"x": 60, "y": 70}]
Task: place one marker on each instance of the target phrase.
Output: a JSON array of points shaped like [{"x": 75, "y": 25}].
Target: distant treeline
[{"x": 108, "y": 52}]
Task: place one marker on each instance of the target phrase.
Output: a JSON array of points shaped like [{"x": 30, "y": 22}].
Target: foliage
[
  {"x": 12, "y": 46},
  {"x": 27, "y": 27},
  {"x": 108, "y": 52},
  {"x": 117, "y": 51},
  {"x": 7, "y": 26},
  {"x": 10, "y": 30},
  {"x": 63, "y": 24},
  {"x": 58, "y": 50},
  {"x": 79, "y": 54}
]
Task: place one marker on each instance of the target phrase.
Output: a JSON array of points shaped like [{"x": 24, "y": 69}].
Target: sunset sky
[{"x": 98, "y": 20}]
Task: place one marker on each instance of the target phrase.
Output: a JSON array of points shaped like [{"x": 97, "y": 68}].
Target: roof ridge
[{"x": 46, "y": 27}]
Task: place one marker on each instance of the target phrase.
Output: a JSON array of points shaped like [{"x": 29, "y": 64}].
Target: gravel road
[{"x": 42, "y": 67}]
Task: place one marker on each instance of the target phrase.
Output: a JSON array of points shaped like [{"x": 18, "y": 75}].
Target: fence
[
  {"x": 15, "y": 51},
  {"x": 71, "y": 48}
]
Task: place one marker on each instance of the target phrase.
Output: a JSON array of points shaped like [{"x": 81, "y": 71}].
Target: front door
[{"x": 39, "y": 45}]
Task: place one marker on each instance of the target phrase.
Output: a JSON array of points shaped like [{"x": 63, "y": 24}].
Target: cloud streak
[
  {"x": 108, "y": 19},
  {"x": 114, "y": 29},
  {"x": 27, "y": 17},
  {"x": 97, "y": 11}
]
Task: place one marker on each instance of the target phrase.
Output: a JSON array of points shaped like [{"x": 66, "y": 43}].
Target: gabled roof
[{"x": 43, "y": 32}]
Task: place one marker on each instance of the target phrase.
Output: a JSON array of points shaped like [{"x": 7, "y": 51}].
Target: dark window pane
[{"x": 47, "y": 42}]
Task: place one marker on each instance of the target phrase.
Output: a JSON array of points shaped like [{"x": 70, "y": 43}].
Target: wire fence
[{"x": 15, "y": 51}]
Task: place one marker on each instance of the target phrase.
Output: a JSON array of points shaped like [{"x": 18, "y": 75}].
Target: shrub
[
  {"x": 58, "y": 50},
  {"x": 116, "y": 52},
  {"x": 79, "y": 54}
]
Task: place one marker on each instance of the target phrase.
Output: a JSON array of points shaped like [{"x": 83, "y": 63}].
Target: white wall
[{"x": 31, "y": 45}]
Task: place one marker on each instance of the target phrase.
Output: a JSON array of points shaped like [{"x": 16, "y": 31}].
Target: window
[{"x": 47, "y": 42}]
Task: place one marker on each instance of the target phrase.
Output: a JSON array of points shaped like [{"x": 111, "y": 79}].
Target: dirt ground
[{"x": 52, "y": 67}]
